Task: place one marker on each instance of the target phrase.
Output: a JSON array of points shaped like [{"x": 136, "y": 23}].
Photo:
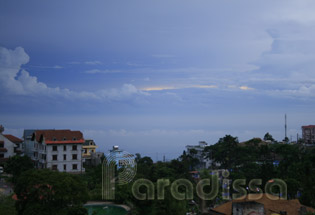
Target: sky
[{"x": 155, "y": 76}]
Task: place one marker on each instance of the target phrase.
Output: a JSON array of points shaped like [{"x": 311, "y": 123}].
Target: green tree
[
  {"x": 16, "y": 165},
  {"x": 48, "y": 192},
  {"x": 268, "y": 137},
  {"x": 7, "y": 205},
  {"x": 225, "y": 151}
]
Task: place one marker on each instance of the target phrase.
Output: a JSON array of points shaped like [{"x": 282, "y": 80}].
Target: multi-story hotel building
[{"x": 57, "y": 150}]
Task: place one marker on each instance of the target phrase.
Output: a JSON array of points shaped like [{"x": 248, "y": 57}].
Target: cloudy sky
[{"x": 154, "y": 76}]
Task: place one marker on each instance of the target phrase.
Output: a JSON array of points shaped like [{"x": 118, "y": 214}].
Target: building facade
[
  {"x": 57, "y": 150},
  {"x": 90, "y": 156},
  {"x": 9, "y": 145},
  {"x": 196, "y": 151},
  {"x": 28, "y": 146},
  {"x": 89, "y": 147},
  {"x": 308, "y": 134}
]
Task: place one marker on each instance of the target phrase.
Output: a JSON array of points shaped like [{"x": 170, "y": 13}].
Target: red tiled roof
[
  {"x": 58, "y": 136},
  {"x": 13, "y": 139},
  {"x": 290, "y": 206},
  {"x": 308, "y": 126},
  {"x": 64, "y": 142}
]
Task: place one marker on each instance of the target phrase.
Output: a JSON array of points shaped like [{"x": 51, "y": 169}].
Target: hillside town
[{"x": 67, "y": 151}]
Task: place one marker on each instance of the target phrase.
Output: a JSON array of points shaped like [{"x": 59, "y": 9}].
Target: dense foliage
[
  {"x": 16, "y": 165},
  {"x": 48, "y": 192},
  {"x": 295, "y": 164},
  {"x": 7, "y": 205}
]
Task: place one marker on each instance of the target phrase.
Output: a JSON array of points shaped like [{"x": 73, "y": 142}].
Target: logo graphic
[{"x": 119, "y": 167}]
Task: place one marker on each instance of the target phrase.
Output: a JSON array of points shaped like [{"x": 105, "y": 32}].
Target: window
[
  {"x": 54, "y": 157},
  {"x": 74, "y": 139},
  {"x": 1, "y": 155},
  {"x": 54, "y": 148},
  {"x": 74, "y": 166},
  {"x": 64, "y": 138},
  {"x": 64, "y": 148},
  {"x": 64, "y": 167},
  {"x": 54, "y": 139},
  {"x": 64, "y": 157},
  {"x": 74, "y": 157},
  {"x": 54, "y": 167},
  {"x": 2, "y": 145},
  {"x": 74, "y": 147}
]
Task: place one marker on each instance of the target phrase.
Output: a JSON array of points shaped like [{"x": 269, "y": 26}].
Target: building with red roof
[
  {"x": 261, "y": 204},
  {"x": 9, "y": 145},
  {"x": 56, "y": 149}
]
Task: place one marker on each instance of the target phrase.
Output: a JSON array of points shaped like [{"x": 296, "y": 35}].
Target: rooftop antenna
[{"x": 285, "y": 126}]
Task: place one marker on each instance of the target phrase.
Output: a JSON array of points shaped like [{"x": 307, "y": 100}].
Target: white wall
[
  {"x": 8, "y": 145},
  {"x": 60, "y": 162}
]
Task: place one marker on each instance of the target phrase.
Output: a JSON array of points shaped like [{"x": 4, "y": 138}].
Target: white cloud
[
  {"x": 245, "y": 88},
  {"x": 48, "y": 67},
  {"x": 302, "y": 92},
  {"x": 93, "y": 62},
  {"x": 158, "y": 88},
  {"x": 57, "y": 67},
  {"x": 95, "y": 71},
  {"x": 17, "y": 81}
]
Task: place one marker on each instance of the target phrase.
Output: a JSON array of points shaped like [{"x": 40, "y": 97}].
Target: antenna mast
[{"x": 285, "y": 126}]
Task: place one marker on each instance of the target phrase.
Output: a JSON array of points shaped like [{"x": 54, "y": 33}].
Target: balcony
[
  {"x": 18, "y": 151},
  {"x": 42, "y": 161},
  {"x": 3, "y": 150}
]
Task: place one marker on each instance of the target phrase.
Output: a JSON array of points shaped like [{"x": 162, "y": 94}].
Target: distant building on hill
[
  {"x": 89, "y": 147},
  {"x": 90, "y": 156},
  {"x": 308, "y": 134},
  {"x": 196, "y": 151}
]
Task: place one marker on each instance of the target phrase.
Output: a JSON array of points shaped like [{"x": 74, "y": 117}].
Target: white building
[
  {"x": 308, "y": 134},
  {"x": 57, "y": 150},
  {"x": 196, "y": 151},
  {"x": 122, "y": 158},
  {"x": 9, "y": 145}
]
